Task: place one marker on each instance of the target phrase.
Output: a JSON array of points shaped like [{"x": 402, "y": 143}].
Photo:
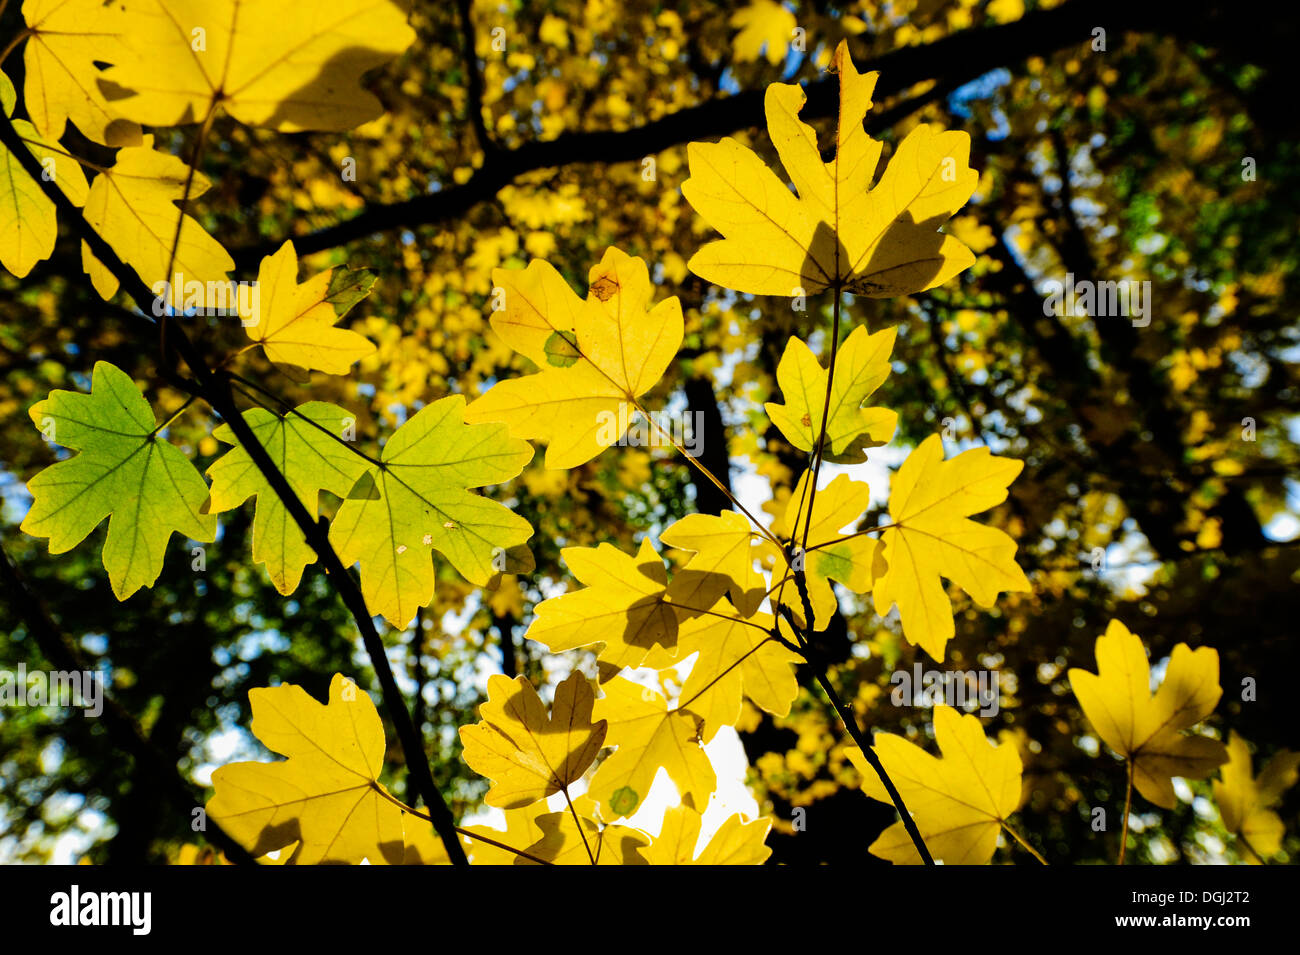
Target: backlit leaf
[{"x": 145, "y": 486}]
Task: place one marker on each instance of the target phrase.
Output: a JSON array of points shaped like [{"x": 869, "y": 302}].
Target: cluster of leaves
[{"x": 843, "y": 231}]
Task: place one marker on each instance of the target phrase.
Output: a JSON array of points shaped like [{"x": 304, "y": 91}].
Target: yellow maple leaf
[
  {"x": 861, "y": 365},
  {"x": 932, "y": 536},
  {"x": 737, "y": 841},
  {"x": 564, "y": 843},
  {"x": 1146, "y": 729},
  {"x": 737, "y": 657},
  {"x": 132, "y": 205},
  {"x": 724, "y": 551},
  {"x": 294, "y": 323},
  {"x": 66, "y": 39},
  {"x": 1246, "y": 802},
  {"x": 958, "y": 802},
  {"x": 597, "y": 356},
  {"x": 326, "y": 796},
  {"x": 280, "y": 64},
  {"x": 839, "y": 231},
  {"x": 527, "y": 754},
  {"x": 484, "y": 843},
  {"x": 623, "y": 606},
  {"x": 764, "y": 23},
  {"x": 28, "y": 226},
  {"x": 648, "y": 737}
]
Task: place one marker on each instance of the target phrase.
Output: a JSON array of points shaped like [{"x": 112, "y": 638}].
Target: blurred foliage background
[{"x": 1159, "y": 460}]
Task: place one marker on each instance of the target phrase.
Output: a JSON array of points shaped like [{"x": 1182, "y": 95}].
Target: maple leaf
[
  {"x": 623, "y": 606},
  {"x": 763, "y": 23},
  {"x": 126, "y": 471},
  {"x": 834, "y": 550},
  {"x": 563, "y": 843},
  {"x": 131, "y": 204},
  {"x": 294, "y": 323},
  {"x": 311, "y": 460},
  {"x": 723, "y": 555},
  {"x": 274, "y": 63},
  {"x": 528, "y": 755},
  {"x": 521, "y": 831},
  {"x": 597, "y": 356},
  {"x": 932, "y": 536},
  {"x": 861, "y": 365},
  {"x": 417, "y": 500},
  {"x": 648, "y": 737},
  {"x": 28, "y": 226},
  {"x": 958, "y": 802},
  {"x": 1246, "y": 803},
  {"x": 737, "y": 658},
  {"x": 326, "y": 796},
  {"x": 1147, "y": 730},
  {"x": 839, "y": 231},
  {"x": 66, "y": 39},
  {"x": 737, "y": 841}
]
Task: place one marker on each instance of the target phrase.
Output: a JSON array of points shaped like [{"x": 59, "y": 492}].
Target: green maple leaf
[
  {"x": 146, "y": 486},
  {"x": 311, "y": 461},
  {"x": 418, "y": 500}
]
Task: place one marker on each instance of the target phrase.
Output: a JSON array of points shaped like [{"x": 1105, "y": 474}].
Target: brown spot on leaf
[{"x": 604, "y": 288}]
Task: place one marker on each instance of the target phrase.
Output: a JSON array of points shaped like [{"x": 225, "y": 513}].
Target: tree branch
[
  {"x": 214, "y": 387},
  {"x": 950, "y": 62}
]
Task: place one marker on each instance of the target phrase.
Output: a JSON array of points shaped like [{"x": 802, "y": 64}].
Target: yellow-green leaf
[
  {"x": 418, "y": 501},
  {"x": 126, "y": 471},
  {"x": 311, "y": 461}
]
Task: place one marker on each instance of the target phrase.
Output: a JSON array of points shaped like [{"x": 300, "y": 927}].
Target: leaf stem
[
  {"x": 694, "y": 462},
  {"x": 466, "y": 832},
  {"x": 578, "y": 822},
  {"x": 22, "y": 34},
  {"x": 179, "y": 411},
  {"x": 1128, "y": 803},
  {"x": 1020, "y": 839},
  {"x": 290, "y": 410}
]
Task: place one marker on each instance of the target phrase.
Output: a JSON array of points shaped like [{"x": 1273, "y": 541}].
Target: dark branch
[{"x": 950, "y": 62}]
